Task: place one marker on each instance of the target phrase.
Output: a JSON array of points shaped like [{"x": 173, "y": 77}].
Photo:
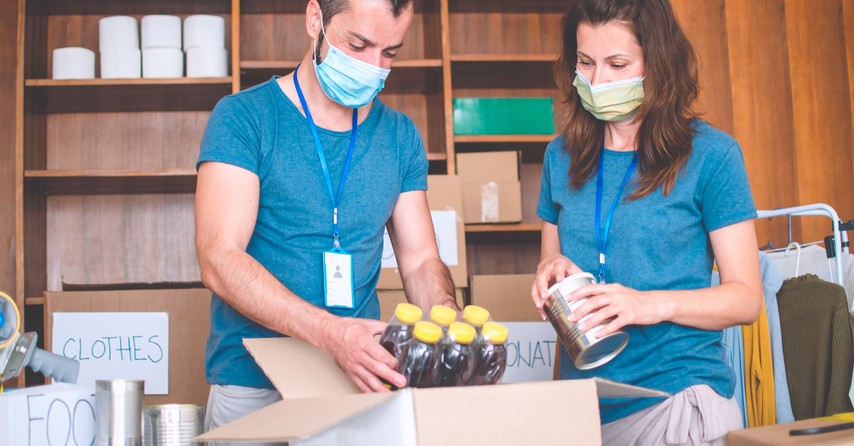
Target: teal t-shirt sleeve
[
  {"x": 546, "y": 208},
  {"x": 232, "y": 136},
  {"x": 726, "y": 197},
  {"x": 415, "y": 171}
]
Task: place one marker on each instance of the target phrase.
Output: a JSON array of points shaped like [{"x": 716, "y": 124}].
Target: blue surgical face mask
[{"x": 345, "y": 79}]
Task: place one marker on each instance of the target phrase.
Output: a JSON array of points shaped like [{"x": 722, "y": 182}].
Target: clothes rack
[{"x": 840, "y": 237}]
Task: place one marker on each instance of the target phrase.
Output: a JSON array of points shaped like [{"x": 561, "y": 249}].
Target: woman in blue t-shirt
[{"x": 645, "y": 196}]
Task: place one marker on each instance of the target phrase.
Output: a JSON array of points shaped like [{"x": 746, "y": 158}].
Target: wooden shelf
[
  {"x": 512, "y": 227},
  {"x": 117, "y": 95},
  {"x": 105, "y": 182},
  {"x": 34, "y": 301},
  {"x": 489, "y": 139},
  {"x": 513, "y": 58},
  {"x": 433, "y": 156}
]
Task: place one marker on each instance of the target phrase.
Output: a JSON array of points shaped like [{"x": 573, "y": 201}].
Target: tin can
[{"x": 586, "y": 349}]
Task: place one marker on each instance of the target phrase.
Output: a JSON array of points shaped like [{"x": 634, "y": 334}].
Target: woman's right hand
[{"x": 552, "y": 269}]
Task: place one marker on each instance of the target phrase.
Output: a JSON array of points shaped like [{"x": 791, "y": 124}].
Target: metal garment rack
[{"x": 840, "y": 236}]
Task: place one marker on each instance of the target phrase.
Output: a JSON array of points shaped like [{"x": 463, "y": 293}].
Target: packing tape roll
[
  {"x": 121, "y": 63},
  {"x": 17, "y": 321},
  {"x": 162, "y": 62},
  {"x": 73, "y": 63},
  {"x": 161, "y": 31},
  {"x": 207, "y": 62}
]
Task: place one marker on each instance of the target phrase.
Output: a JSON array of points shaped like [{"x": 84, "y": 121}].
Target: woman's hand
[
  {"x": 617, "y": 304},
  {"x": 552, "y": 269}
]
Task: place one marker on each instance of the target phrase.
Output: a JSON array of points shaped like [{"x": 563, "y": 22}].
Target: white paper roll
[
  {"x": 207, "y": 62},
  {"x": 162, "y": 62},
  {"x": 161, "y": 31},
  {"x": 121, "y": 63},
  {"x": 73, "y": 63},
  {"x": 204, "y": 31},
  {"x": 118, "y": 31}
]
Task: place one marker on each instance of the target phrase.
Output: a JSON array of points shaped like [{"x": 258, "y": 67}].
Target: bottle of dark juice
[
  {"x": 490, "y": 355},
  {"x": 421, "y": 355},
  {"x": 400, "y": 328},
  {"x": 456, "y": 363},
  {"x": 443, "y": 317}
]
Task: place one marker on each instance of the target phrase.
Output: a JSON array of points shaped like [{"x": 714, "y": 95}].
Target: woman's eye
[{"x": 584, "y": 63}]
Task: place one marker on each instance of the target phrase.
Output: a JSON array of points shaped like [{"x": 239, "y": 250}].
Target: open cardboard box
[{"x": 322, "y": 406}]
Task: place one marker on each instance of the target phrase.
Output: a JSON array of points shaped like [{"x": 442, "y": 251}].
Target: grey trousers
[
  {"x": 695, "y": 416},
  {"x": 228, "y": 403}
]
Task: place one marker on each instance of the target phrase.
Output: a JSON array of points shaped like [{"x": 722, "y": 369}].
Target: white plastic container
[
  {"x": 161, "y": 31},
  {"x": 117, "y": 32},
  {"x": 73, "y": 63},
  {"x": 121, "y": 63},
  {"x": 202, "y": 30},
  {"x": 207, "y": 62},
  {"x": 162, "y": 62}
]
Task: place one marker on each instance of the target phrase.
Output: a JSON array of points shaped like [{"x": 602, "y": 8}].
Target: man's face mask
[
  {"x": 611, "y": 101},
  {"x": 345, "y": 79}
]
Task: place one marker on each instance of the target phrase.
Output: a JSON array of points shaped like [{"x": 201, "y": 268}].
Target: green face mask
[{"x": 611, "y": 101}]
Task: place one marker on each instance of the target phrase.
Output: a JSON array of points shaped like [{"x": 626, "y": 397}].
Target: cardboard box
[
  {"x": 503, "y": 116},
  {"x": 390, "y": 298},
  {"x": 492, "y": 191},
  {"x": 189, "y": 325},
  {"x": 443, "y": 194},
  {"x": 778, "y": 435},
  {"x": 48, "y": 415},
  {"x": 507, "y": 296},
  {"x": 322, "y": 406}
]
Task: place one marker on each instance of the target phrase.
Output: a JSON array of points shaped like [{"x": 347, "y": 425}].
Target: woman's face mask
[
  {"x": 610, "y": 101},
  {"x": 345, "y": 79}
]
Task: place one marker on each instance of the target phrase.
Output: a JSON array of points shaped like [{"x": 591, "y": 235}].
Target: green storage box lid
[{"x": 503, "y": 116}]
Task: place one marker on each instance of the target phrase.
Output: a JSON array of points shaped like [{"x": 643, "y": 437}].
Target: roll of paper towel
[
  {"x": 204, "y": 31},
  {"x": 161, "y": 31},
  {"x": 162, "y": 62},
  {"x": 207, "y": 62},
  {"x": 118, "y": 31},
  {"x": 120, "y": 63},
  {"x": 73, "y": 63}
]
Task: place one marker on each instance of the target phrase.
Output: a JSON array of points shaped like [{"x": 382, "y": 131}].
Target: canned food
[{"x": 586, "y": 349}]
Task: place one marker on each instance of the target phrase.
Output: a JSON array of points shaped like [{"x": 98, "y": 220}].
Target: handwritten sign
[
  {"x": 116, "y": 346},
  {"x": 445, "y": 225},
  {"x": 58, "y": 414},
  {"x": 531, "y": 351}
]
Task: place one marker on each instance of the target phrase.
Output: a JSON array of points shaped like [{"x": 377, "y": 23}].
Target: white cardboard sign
[
  {"x": 445, "y": 225},
  {"x": 116, "y": 346},
  {"x": 57, "y": 414},
  {"x": 531, "y": 351}
]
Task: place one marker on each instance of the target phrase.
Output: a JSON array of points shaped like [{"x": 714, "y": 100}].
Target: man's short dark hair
[{"x": 329, "y": 8}]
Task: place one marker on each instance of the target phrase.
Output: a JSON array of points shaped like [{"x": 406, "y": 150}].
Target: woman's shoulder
[{"x": 710, "y": 142}]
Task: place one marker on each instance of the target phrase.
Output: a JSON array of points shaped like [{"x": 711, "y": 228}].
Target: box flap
[
  {"x": 290, "y": 420},
  {"x": 483, "y": 167},
  {"x": 299, "y": 369},
  {"x": 610, "y": 389},
  {"x": 556, "y": 412},
  {"x": 778, "y": 435}
]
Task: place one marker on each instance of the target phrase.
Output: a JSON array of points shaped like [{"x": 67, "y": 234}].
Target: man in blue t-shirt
[{"x": 298, "y": 177}]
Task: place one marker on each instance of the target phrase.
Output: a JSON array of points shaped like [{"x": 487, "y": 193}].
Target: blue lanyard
[
  {"x": 323, "y": 165},
  {"x": 602, "y": 234}
]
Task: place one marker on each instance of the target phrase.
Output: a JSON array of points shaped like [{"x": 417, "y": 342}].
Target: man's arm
[
  {"x": 226, "y": 209},
  {"x": 426, "y": 280}
]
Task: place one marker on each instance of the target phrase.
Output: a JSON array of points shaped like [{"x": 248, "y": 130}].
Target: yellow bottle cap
[
  {"x": 407, "y": 313},
  {"x": 475, "y": 315},
  {"x": 461, "y": 332},
  {"x": 427, "y": 332},
  {"x": 494, "y": 333},
  {"x": 442, "y": 315}
]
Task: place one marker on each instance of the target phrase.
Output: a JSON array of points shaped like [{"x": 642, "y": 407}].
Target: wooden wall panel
[
  {"x": 822, "y": 108},
  {"x": 763, "y": 120},
  {"x": 705, "y": 24},
  {"x": 848, "y": 19},
  {"x": 8, "y": 57}
]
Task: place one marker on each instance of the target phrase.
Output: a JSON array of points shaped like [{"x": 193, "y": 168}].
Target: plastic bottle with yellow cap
[
  {"x": 443, "y": 316},
  {"x": 456, "y": 362},
  {"x": 400, "y": 328},
  {"x": 490, "y": 355},
  {"x": 475, "y": 316},
  {"x": 421, "y": 355}
]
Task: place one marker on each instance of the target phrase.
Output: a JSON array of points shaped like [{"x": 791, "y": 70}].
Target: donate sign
[
  {"x": 116, "y": 346},
  {"x": 58, "y": 414},
  {"x": 531, "y": 351}
]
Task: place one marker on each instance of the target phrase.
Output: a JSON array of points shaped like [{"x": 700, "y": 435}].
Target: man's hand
[{"x": 351, "y": 342}]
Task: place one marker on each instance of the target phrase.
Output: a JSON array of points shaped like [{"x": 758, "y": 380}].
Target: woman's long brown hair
[{"x": 664, "y": 140}]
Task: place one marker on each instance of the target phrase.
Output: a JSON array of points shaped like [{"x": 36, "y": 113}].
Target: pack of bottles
[{"x": 445, "y": 351}]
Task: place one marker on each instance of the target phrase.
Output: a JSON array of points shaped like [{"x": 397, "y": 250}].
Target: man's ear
[{"x": 312, "y": 19}]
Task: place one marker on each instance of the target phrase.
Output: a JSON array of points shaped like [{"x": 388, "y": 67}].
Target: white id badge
[{"x": 338, "y": 278}]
